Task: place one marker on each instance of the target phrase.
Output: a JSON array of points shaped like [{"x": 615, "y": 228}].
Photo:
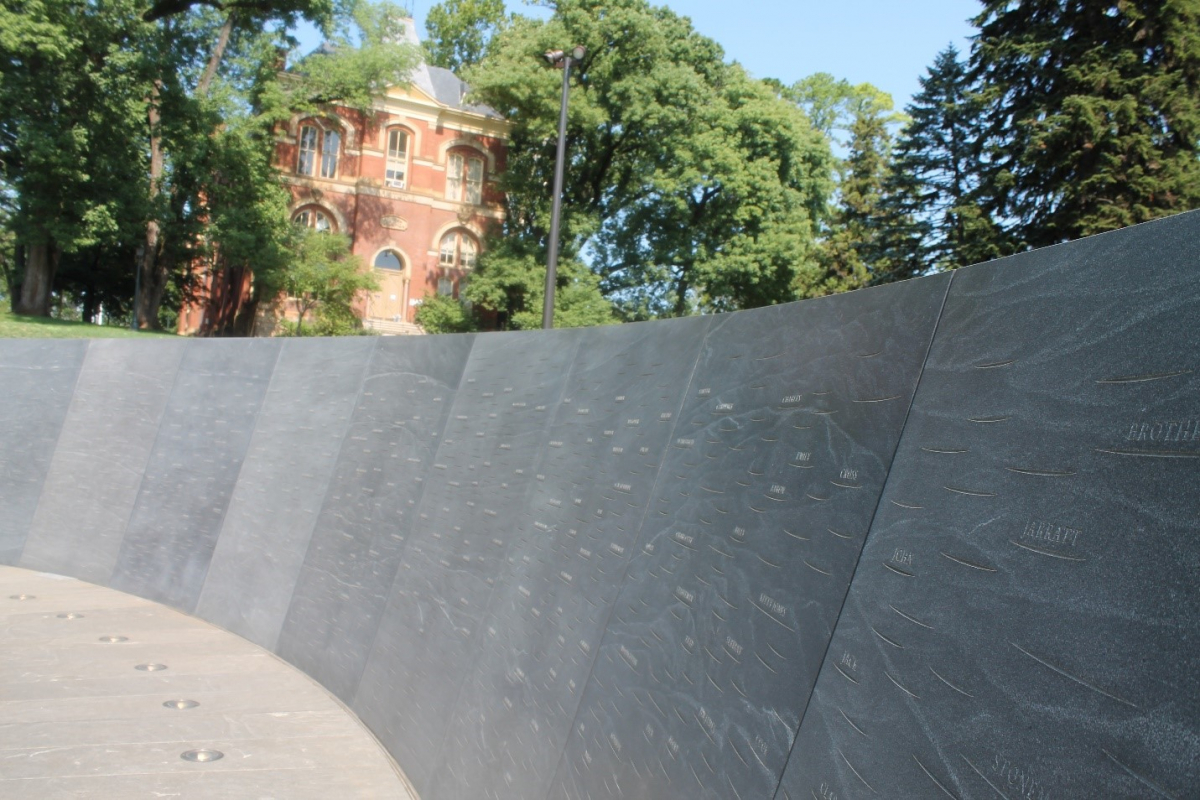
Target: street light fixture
[{"x": 561, "y": 60}]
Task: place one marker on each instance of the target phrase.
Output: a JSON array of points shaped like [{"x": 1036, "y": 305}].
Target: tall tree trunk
[
  {"x": 15, "y": 276},
  {"x": 681, "y": 289},
  {"x": 152, "y": 282},
  {"x": 40, "y": 266},
  {"x": 154, "y": 271}
]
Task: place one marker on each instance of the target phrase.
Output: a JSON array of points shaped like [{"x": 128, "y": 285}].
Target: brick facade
[{"x": 413, "y": 185}]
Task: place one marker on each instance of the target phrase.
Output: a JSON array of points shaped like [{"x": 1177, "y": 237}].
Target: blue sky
[{"x": 889, "y": 43}]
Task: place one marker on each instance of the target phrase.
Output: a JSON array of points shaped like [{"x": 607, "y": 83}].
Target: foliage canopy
[{"x": 691, "y": 186}]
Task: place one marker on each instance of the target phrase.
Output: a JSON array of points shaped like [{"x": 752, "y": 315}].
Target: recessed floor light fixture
[
  {"x": 180, "y": 704},
  {"x": 22, "y": 597},
  {"x": 151, "y": 667},
  {"x": 70, "y": 615},
  {"x": 112, "y": 639},
  {"x": 201, "y": 755}
]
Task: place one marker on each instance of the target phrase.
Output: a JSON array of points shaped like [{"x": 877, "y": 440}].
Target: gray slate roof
[{"x": 442, "y": 84}]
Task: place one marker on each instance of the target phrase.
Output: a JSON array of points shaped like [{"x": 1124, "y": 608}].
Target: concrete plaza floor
[{"x": 79, "y": 718}]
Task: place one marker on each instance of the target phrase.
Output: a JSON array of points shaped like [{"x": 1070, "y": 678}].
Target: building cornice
[
  {"x": 421, "y": 106},
  {"x": 322, "y": 185}
]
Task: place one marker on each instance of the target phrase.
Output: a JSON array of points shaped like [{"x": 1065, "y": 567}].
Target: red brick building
[{"x": 413, "y": 185}]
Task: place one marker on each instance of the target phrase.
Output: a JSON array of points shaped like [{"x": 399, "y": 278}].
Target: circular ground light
[
  {"x": 180, "y": 704},
  {"x": 201, "y": 755},
  {"x": 151, "y": 667},
  {"x": 70, "y": 615},
  {"x": 111, "y": 639},
  {"x": 22, "y": 597}
]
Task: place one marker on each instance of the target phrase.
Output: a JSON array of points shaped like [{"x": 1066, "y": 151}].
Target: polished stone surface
[
  {"x": 37, "y": 378},
  {"x": 193, "y": 468},
  {"x": 938, "y": 537},
  {"x": 369, "y": 507},
  {"x": 288, "y": 469},
  {"x": 470, "y": 520},
  {"x": 101, "y": 457},
  {"x": 1025, "y": 616},
  {"x": 593, "y": 470},
  {"x": 77, "y": 720},
  {"x": 775, "y": 467}
]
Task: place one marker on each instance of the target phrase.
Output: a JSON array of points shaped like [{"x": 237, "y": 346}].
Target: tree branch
[
  {"x": 169, "y": 8},
  {"x": 214, "y": 60}
]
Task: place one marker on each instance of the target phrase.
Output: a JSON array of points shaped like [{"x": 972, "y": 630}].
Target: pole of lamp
[{"x": 556, "y": 208}]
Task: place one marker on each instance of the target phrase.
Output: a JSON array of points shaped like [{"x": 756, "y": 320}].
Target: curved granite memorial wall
[{"x": 937, "y": 538}]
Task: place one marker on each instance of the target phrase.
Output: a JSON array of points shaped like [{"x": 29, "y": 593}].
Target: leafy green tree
[
  {"x": 851, "y": 251},
  {"x": 72, "y": 83},
  {"x": 352, "y": 70},
  {"x": 461, "y": 31},
  {"x": 137, "y": 132},
  {"x": 439, "y": 313},
  {"x": 867, "y": 237},
  {"x": 288, "y": 11},
  {"x": 233, "y": 192},
  {"x": 834, "y": 104},
  {"x": 1092, "y": 112},
  {"x": 690, "y": 186},
  {"x": 222, "y": 200},
  {"x": 510, "y": 282},
  {"x": 324, "y": 280},
  {"x": 192, "y": 24}
]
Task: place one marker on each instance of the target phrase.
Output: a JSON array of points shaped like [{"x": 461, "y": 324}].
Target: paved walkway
[{"x": 79, "y": 718}]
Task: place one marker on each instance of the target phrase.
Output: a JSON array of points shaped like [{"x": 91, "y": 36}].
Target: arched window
[
  {"x": 397, "y": 158},
  {"x": 314, "y": 141},
  {"x": 464, "y": 178},
  {"x": 389, "y": 260},
  {"x": 457, "y": 251},
  {"x": 314, "y": 217}
]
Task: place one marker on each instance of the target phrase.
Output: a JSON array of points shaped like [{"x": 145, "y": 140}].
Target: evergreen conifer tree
[
  {"x": 853, "y": 253},
  {"x": 1092, "y": 112},
  {"x": 935, "y": 195}
]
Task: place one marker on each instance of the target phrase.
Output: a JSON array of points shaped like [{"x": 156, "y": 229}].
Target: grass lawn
[{"x": 13, "y": 326}]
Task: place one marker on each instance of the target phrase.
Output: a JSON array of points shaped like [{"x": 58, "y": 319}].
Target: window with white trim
[
  {"x": 307, "y": 161},
  {"x": 466, "y": 253},
  {"x": 457, "y": 250},
  {"x": 445, "y": 286},
  {"x": 397, "y": 158},
  {"x": 317, "y": 145},
  {"x": 464, "y": 178},
  {"x": 329, "y": 154},
  {"x": 311, "y": 217}
]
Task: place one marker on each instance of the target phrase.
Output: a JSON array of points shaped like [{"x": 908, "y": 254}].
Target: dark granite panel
[
  {"x": 599, "y": 460},
  {"x": 37, "y": 379},
  {"x": 1023, "y": 622},
  {"x": 755, "y": 525},
  {"x": 473, "y": 512},
  {"x": 102, "y": 454},
  {"x": 283, "y": 481},
  {"x": 367, "y": 514},
  {"x": 193, "y": 469}
]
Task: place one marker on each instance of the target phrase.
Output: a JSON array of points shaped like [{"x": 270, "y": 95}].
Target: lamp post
[{"x": 562, "y": 60}]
